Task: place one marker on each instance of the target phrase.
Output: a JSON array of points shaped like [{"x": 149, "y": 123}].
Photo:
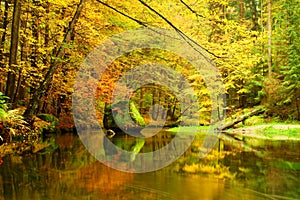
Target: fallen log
[{"x": 240, "y": 119}]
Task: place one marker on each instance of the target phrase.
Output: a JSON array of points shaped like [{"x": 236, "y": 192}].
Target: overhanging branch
[
  {"x": 189, "y": 40},
  {"x": 192, "y": 10},
  {"x": 125, "y": 15}
]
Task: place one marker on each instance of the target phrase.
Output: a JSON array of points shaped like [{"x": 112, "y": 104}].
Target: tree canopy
[{"x": 44, "y": 43}]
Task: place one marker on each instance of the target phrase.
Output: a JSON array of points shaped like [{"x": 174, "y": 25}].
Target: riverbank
[
  {"x": 262, "y": 131},
  {"x": 269, "y": 131},
  {"x": 21, "y": 137}
]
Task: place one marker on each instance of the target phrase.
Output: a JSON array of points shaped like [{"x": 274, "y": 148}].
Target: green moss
[
  {"x": 121, "y": 118},
  {"x": 189, "y": 129},
  {"x": 136, "y": 116},
  {"x": 255, "y": 120},
  {"x": 48, "y": 118},
  {"x": 277, "y": 133},
  {"x": 52, "y": 120}
]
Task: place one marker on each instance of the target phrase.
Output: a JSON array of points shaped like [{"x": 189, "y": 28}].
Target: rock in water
[{"x": 110, "y": 133}]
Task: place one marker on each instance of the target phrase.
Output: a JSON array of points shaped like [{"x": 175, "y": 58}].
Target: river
[{"x": 69, "y": 171}]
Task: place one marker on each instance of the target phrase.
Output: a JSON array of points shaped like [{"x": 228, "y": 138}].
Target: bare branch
[
  {"x": 125, "y": 15},
  {"x": 193, "y": 11},
  {"x": 189, "y": 40}
]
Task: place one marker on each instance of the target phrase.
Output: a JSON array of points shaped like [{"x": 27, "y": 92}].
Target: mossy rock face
[
  {"x": 135, "y": 115},
  {"x": 123, "y": 119},
  {"x": 52, "y": 121}
]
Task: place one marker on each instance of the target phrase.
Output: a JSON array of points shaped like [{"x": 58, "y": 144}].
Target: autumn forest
[
  {"x": 254, "y": 44},
  {"x": 250, "y": 56}
]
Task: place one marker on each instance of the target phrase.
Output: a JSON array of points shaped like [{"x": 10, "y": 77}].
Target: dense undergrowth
[{"x": 17, "y": 136}]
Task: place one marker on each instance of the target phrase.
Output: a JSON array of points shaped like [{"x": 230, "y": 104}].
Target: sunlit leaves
[{"x": 227, "y": 28}]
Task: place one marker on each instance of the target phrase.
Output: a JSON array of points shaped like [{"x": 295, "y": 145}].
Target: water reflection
[
  {"x": 134, "y": 154},
  {"x": 70, "y": 172}
]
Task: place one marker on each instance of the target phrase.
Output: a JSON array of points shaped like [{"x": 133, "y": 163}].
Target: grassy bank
[
  {"x": 275, "y": 131},
  {"x": 189, "y": 129},
  {"x": 270, "y": 131}
]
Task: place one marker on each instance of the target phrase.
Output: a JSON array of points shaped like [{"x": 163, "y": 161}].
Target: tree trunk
[
  {"x": 4, "y": 27},
  {"x": 298, "y": 108},
  {"x": 37, "y": 94},
  {"x": 3, "y": 37},
  {"x": 269, "y": 27},
  {"x": 141, "y": 109},
  {"x": 20, "y": 89},
  {"x": 240, "y": 119},
  {"x": 254, "y": 16},
  {"x": 11, "y": 77},
  {"x": 241, "y": 9}
]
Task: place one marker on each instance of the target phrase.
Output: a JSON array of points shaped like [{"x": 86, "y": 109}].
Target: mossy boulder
[
  {"x": 135, "y": 115},
  {"x": 39, "y": 124},
  {"x": 123, "y": 119},
  {"x": 51, "y": 124}
]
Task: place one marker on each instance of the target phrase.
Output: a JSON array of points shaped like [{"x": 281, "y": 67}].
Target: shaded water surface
[{"x": 68, "y": 171}]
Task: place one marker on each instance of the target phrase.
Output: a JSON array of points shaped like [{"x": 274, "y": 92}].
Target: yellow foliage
[
  {"x": 217, "y": 170},
  {"x": 39, "y": 124},
  {"x": 194, "y": 168}
]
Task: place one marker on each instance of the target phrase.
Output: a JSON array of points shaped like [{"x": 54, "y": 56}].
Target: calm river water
[{"x": 67, "y": 171}]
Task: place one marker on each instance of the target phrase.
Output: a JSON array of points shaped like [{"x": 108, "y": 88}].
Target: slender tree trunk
[
  {"x": 3, "y": 37},
  {"x": 254, "y": 16},
  {"x": 20, "y": 89},
  {"x": 33, "y": 103},
  {"x": 174, "y": 110},
  {"x": 141, "y": 101},
  {"x": 298, "y": 108},
  {"x": 241, "y": 9},
  {"x": 46, "y": 59},
  {"x": 4, "y": 27},
  {"x": 269, "y": 28},
  {"x": 11, "y": 77}
]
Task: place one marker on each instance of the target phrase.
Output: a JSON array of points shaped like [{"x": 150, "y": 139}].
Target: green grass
[
  {"x": 274, "y": 133},
  {"x": 189, "y": 129},
  {"x": 272, "y": 123}
]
